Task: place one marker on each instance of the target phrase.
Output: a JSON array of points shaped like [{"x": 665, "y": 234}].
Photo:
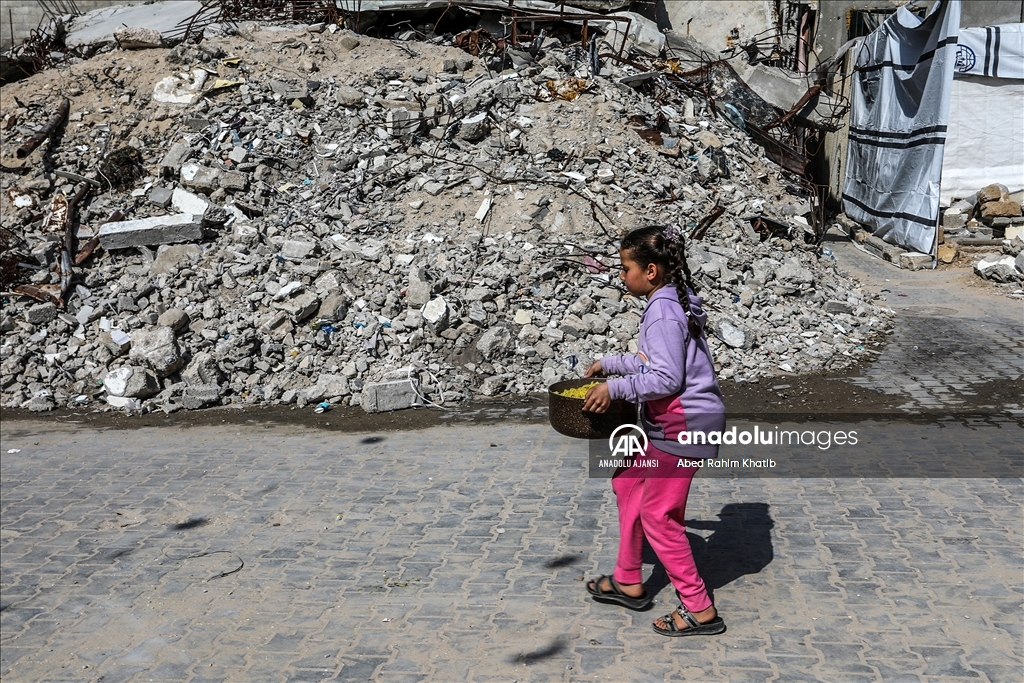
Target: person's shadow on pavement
[{"x": 741, "y": 544}]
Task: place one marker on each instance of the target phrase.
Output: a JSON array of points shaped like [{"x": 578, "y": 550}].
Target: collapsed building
[{"x": 264, "y": 209}]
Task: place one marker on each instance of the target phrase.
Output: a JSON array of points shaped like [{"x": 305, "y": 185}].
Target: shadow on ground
[{"x": 740, "y": 544}]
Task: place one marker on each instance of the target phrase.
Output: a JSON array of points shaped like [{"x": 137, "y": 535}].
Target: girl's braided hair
[{"x": 665, "y": 247}]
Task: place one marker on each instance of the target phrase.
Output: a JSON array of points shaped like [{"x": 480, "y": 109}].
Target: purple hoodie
[{"x": 672, "y": 374}]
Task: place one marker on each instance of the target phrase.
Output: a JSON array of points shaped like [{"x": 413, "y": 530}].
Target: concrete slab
[
  {"x": 184, "y": 227},
  {"x": 99, "y": 25}
]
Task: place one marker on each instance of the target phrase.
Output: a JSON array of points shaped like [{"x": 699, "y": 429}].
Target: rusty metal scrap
[
  {"x": 89, "y": 247},
  {"x": 46, "y": 131},
  {"x": 767, "y": 227},
  {"x": 705, "y": 223},
  {"x": 232, "y": 11}
]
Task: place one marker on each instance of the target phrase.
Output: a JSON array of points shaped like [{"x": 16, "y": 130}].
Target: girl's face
[{"x": 639, "y": 281}]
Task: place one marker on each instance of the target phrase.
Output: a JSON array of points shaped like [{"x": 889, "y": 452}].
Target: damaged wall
[
  {"x": 721, "y": 25},
  {"x": 20, "y": 17}
]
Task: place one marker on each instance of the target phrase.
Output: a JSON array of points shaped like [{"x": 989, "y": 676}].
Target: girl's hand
[
  {"x": 597, "y": 400},
  {"x": 594, "y": 370}
]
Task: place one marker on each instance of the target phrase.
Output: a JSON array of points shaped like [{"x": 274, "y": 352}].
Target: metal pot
[{"x": 567, "y": 417}]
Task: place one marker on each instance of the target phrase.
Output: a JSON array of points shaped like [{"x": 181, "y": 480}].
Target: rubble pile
[
  {"x": 313, "y": 215},
  {"x": 985, "y": 218}
]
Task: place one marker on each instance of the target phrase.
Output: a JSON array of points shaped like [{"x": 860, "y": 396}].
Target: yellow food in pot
[{"x": 577, "y": 392}]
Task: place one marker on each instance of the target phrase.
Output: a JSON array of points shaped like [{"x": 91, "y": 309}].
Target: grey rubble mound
[{"x": 368, "y": 212}]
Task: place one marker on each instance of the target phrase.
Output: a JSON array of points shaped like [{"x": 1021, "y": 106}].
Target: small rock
[
  {"x": 174, "y": 318},
  {"x": 158, "y": 349},
  {"x": 732, "y": 335},
  {"x": 495, "y": 342},
  {"x": 200, "y": 396},
  {"x": 41, "y": 314},
  {"x": 435, "y": 314},
  {"x": 348, "y": 96}
]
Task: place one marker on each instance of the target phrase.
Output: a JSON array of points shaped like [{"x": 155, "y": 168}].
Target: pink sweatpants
[{"x": 654, "y": 508}]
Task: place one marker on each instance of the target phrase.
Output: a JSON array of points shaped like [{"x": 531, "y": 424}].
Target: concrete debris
[
  {"x": 350, "y": 209},
  {"x": 184, "y": 227},
  {"x": 999, "y": 269},
  {"x": 138, "y": 38},
  {"x": 989, "y": 218}
]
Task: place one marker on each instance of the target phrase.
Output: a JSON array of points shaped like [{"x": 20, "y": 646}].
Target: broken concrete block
[
  {"x": 131, "y": 382},
  {"x": 138, "y": 38},
  {"x": 474, "y": 128},
  {"x": 124, "y": 402},
  {"x": 913, "y": 260},
  {"x": 40, "y": 314},
  {"x": 174, "y": 318},
  {"x": 202, "y": 369},
  {"x": 184, "y": 201},
  {"x": 892, "y": 253},
  {"x": 990, "y": 210},
  {"x": 333, "y": 307},
  {"x": 244, "y": 233},
  {"x": 792, "y": 272},
  {"x": 730, "y": 334},
  {"x": 993, "y": 193},
  {"x": 274, "y": 321},
  {"x": 116, "y": 341},
  {"x": 290, "y": 93},
  {"x": 175, "y": 158},
  {"x": 998, "y": 269},
  {"x": 834, "y": 306},
  {"x": 177, "y": 89},
  {"x": 199, "y": 396},
  {"x": 234, "y": 181},
  {"x": 435, "y": 314},
  {"x": 327, "y": 283},
  {"x": 297, "y": 250},
  {"x": 202, "y": 178},
  {"x": 381, "y": 397},
  {"x": 953, "y": 220},
  {"x": 238, "y": 154},
  {"x": 184, "y": 227},
  {"x": 495, "y": 342},
  {"x": 301, "y": 306},
  {"x": 170, "y": 259},
  {"x": 572, "y": 324},
  {"x": 348, "y": 96},
  {"x": 947, "y": 252},
  {"x": 401, "y": 122},
  {"x": 349, "y": 41},
  {"x": 42, "y": 402},
  {"x": 160, "y": 196},
  {"x": 158, "y": 349},
  {"x": 418, "y": 293}
]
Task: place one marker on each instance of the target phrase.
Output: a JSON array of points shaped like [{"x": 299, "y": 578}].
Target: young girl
[{"x": 673, "y": 376}]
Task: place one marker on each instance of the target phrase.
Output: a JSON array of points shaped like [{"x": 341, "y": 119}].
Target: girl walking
[{"x": 673, "y": 377}]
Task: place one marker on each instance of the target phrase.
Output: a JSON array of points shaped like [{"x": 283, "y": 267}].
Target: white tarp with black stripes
[
  {"x": 993, "y": 51},
  {"x": 898, "y": 116},
  {"x": 985, "y": 138}
]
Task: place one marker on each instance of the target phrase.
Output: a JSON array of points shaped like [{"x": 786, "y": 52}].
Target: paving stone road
[
  {"x": 458, "y": 554},
  {"x": 259, "y": 553}
]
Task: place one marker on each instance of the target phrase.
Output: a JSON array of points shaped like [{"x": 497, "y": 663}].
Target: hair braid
[{"x": 652, "y": 245}]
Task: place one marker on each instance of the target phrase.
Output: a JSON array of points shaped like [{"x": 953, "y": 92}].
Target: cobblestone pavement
[
  {"x": 953, "y": 334},
  {"x": 458, "y": 553}
]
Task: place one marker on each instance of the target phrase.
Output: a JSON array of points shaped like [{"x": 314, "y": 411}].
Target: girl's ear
[{"x": 652, "y": 271}]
